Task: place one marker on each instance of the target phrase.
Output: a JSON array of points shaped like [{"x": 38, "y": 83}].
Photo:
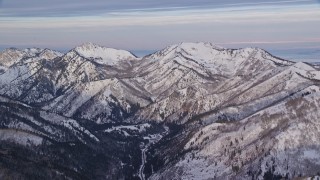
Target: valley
[{"x": 188, "y": 111}]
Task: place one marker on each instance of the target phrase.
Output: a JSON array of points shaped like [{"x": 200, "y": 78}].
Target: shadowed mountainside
[{"x": 237, "y": 113}]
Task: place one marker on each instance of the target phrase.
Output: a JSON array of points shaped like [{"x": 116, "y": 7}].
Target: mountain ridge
[
  {"x": 203, "y": 67},
  {"x": 166, "y": 110}
]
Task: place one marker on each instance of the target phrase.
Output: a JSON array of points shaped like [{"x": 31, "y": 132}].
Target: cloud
[
  {"x": 268, "y": 2},
  {"x": 155, "y": 24},
  {"x": 62, "y": 8},
  {"x": 182, "y": 16}
]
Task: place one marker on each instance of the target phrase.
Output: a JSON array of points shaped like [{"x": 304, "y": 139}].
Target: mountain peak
[
  {"x": 103, "y": 55},
  {"x": 49, "y": 54},
  {"x": 234, "y": 113},
  {"x": 199, "y": 45},
  {"x": 88, "y": 45},
  {"x": 185, "y": 47}
]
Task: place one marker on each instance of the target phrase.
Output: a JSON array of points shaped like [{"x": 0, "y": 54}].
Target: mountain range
[{"x": 188, "y": 111}]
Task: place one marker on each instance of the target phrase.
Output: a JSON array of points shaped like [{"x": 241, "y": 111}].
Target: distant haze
[{"x": 147, "y": 25}]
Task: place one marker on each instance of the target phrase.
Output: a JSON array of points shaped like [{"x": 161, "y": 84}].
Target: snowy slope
[
  {"x": 103, "y": 55},
  {"x": 102, "y": 101},
  {"x": 176, "y": 83},
  {"x": 12, "y": 55},
  {"x": 38, "y": 125},
  {"x": 281, "y": 139},
  {"x": 191, "y": 79},
  {"x": 209, "y": 95}
]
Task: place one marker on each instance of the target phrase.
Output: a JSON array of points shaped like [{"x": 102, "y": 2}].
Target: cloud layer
[
  {"x": 62, "y": 8},
  {"x": 149, "y": 24}
]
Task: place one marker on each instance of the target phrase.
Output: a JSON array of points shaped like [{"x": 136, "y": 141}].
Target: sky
[{"x": 289, "y": 28}]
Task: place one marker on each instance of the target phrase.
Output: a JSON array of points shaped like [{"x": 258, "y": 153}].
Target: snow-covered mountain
[
  {"x": 278, "y": 141},
  {"x": 236, "y": 113},
  {"x": 103, "y": 55}
]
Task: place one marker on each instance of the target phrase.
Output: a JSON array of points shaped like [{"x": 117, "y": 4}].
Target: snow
[
  {"x": 33, "y": 51},
  {"x": 103, "y": 55},
  {"x": 272, "y": 103},
  {"x": 20, "y": 137},
  {"x": 306, "y": 70},
  {"x": 313, "y": 178},
  {"x": 49, "y": 54},
  {"x": 311, "y": 154},
  {"x": 138, "y": 127},
  {"x": 180, "y": 67},
  {"x": 281, "y": 130},
  {"x": 91, "y": 89},
  {"x": 12, "y": 56},
  {"x": 71, "y": 124},
  {"x": 153, "y": 138}
]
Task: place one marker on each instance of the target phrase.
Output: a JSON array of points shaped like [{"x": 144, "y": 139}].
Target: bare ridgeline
[{"x": 189, "y": 111}]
